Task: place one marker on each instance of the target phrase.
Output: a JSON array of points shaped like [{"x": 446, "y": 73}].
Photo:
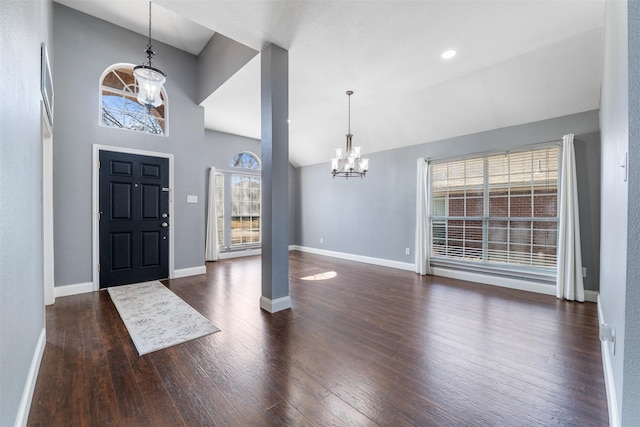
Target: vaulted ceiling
[{"x": 517, "y": 61}]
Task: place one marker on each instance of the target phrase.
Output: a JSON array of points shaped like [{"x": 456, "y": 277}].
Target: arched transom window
[
  {"x": 246, "y": 160},
  {"x": 119, "y": 106}
]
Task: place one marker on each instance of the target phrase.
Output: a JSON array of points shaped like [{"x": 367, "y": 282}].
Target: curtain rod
[{"x": 489, "y": 153}]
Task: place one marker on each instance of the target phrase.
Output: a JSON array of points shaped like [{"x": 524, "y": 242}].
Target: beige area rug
[{"x": 156, "y": 318}]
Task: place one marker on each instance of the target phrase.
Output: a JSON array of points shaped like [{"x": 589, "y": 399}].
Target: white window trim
[
  {"x": 244, "y": 249},
  {"x": 220, "y": 211},
  {"x": 542, "y": 275},
  {"x": 243, "y": 246}
]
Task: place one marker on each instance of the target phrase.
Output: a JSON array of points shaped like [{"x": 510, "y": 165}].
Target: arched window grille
[
  {"x": 246, "y": 160},
  {"x": 119, "y": 107}
]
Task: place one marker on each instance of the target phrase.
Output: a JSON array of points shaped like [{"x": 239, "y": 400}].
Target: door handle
[{"x": 164, "y": 224}]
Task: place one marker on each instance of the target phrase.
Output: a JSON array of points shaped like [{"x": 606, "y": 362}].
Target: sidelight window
[
  {"x": 239, "y": 198},
  {"x": 245, "y": 209}
]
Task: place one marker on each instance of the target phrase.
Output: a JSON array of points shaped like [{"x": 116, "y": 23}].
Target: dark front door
[{"x": 134, "y": 218}]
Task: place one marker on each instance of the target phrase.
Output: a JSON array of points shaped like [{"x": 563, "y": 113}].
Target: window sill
[
  {"x": 241, "y": 252},
  {"x": 546, "y": 276},
  {"x": 481, "y": 278}
]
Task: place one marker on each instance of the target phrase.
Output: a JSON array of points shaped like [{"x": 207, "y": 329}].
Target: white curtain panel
[
  {"x": 212, "y": 252},
  {"x": 569, "y": 284},
  {"x": 422, "y": 218}
]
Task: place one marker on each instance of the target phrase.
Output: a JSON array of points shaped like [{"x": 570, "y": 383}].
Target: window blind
[{"x": 499, "y": 209}]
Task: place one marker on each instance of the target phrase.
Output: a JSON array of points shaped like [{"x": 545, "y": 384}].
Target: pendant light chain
[
  {"x": 149, "y": 43},
  {"x": 149, "y": 50},
  {"x": 149, "y": 78}
]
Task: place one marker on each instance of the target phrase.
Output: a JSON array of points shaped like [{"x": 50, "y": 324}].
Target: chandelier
[
  {"x": 149, "y": 78},
  {"x": 345, "y": 162}
]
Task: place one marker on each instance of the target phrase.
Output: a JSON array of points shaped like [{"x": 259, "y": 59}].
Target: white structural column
[{"x": 275, "y": 179}]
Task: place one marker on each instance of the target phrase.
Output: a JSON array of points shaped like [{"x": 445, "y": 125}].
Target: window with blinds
[{"x": 496, "y": 210}]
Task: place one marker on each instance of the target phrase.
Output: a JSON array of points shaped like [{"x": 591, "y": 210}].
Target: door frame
[
  {"x": 95, "y": 224},
  {"x": 47, "y": 208}
]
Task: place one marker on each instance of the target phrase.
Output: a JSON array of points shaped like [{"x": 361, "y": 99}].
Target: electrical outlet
[
  {"x": 407, "y": 251},
  {"x": 584, "y": 271},
  {"x": 608, "y": 335},
  {"x": 321, "y": 240}
]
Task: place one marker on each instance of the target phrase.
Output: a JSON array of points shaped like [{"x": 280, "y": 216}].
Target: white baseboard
[
  {"x": 30, "y": 384},
  {"x": 78, "y": 288},
  {"x": 524, "y": 285},
  {"x": 83, "y": 288},
  {"x": 369, "y": 260},
  {"x": 591, "y": 296},
  {"x": 612, "y": 400},
  {"x": 192, "y": 271},
  {"x": 275, "y": 305}
]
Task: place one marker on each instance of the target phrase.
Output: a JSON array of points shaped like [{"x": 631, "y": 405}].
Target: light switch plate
[{"x": 192, "y": 199}]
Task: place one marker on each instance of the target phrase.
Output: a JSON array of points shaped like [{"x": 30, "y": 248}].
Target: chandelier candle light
[
  {"x": 344, "y": 164},
  {"x": 149, "y": 78}
]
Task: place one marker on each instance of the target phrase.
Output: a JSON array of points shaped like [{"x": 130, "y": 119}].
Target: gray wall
[
  {"x": 219, "y": 149},
  {"x": 25, "y": 24},
  {"x": 375, "y": 216},
  {"x": 614, "y": 125},
  {"x": 85, "y": 47},
  {"x": 620, "y": 250},
  {"x": 221, "y": 58},
  {"x": 631, "y": 388}
]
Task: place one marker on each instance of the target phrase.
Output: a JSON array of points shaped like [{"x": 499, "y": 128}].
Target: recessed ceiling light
[{"x": 448, "y": 54}]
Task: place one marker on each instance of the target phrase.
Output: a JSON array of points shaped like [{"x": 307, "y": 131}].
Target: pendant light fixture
[
  {"x": 149, "y": 78},
  {"x": 345, "y": 162}
]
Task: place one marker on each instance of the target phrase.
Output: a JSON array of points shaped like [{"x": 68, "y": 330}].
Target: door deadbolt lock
[
  {"x": 164, "y": 224},
  {"x": 164, "y": 215}
]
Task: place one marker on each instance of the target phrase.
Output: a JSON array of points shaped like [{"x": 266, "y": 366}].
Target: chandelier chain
[
  {"x": 348, "y": 163},
  {"x": 349, "y": 125}
]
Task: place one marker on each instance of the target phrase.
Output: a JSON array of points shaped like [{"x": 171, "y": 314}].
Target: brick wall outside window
[{"x": 515, "y": 222}]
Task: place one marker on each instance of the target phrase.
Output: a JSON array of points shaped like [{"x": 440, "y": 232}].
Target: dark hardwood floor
[{"x": 370, "y": 346}]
